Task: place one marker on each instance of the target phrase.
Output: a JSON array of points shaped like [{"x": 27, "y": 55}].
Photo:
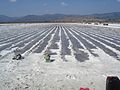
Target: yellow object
[{"x": 47, "y": 57}]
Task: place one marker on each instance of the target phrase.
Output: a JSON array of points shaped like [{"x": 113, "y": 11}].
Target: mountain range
[{"x": 105, "y": 17}]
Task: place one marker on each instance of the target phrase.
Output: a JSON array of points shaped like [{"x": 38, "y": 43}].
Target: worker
[
  {"x": 18, "y": 55},
  {"x": 47, "y": 57}
]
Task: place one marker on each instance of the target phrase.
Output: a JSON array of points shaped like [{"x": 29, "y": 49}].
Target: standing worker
[{"x": 47, "y": 56}]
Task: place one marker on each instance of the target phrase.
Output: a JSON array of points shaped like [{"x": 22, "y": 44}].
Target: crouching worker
[
  {"x": 47, "y": 56},
  {"x": 17, "y": 55}
]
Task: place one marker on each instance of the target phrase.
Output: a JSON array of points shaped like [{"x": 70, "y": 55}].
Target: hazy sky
[{"x": 39, "y": 7}]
